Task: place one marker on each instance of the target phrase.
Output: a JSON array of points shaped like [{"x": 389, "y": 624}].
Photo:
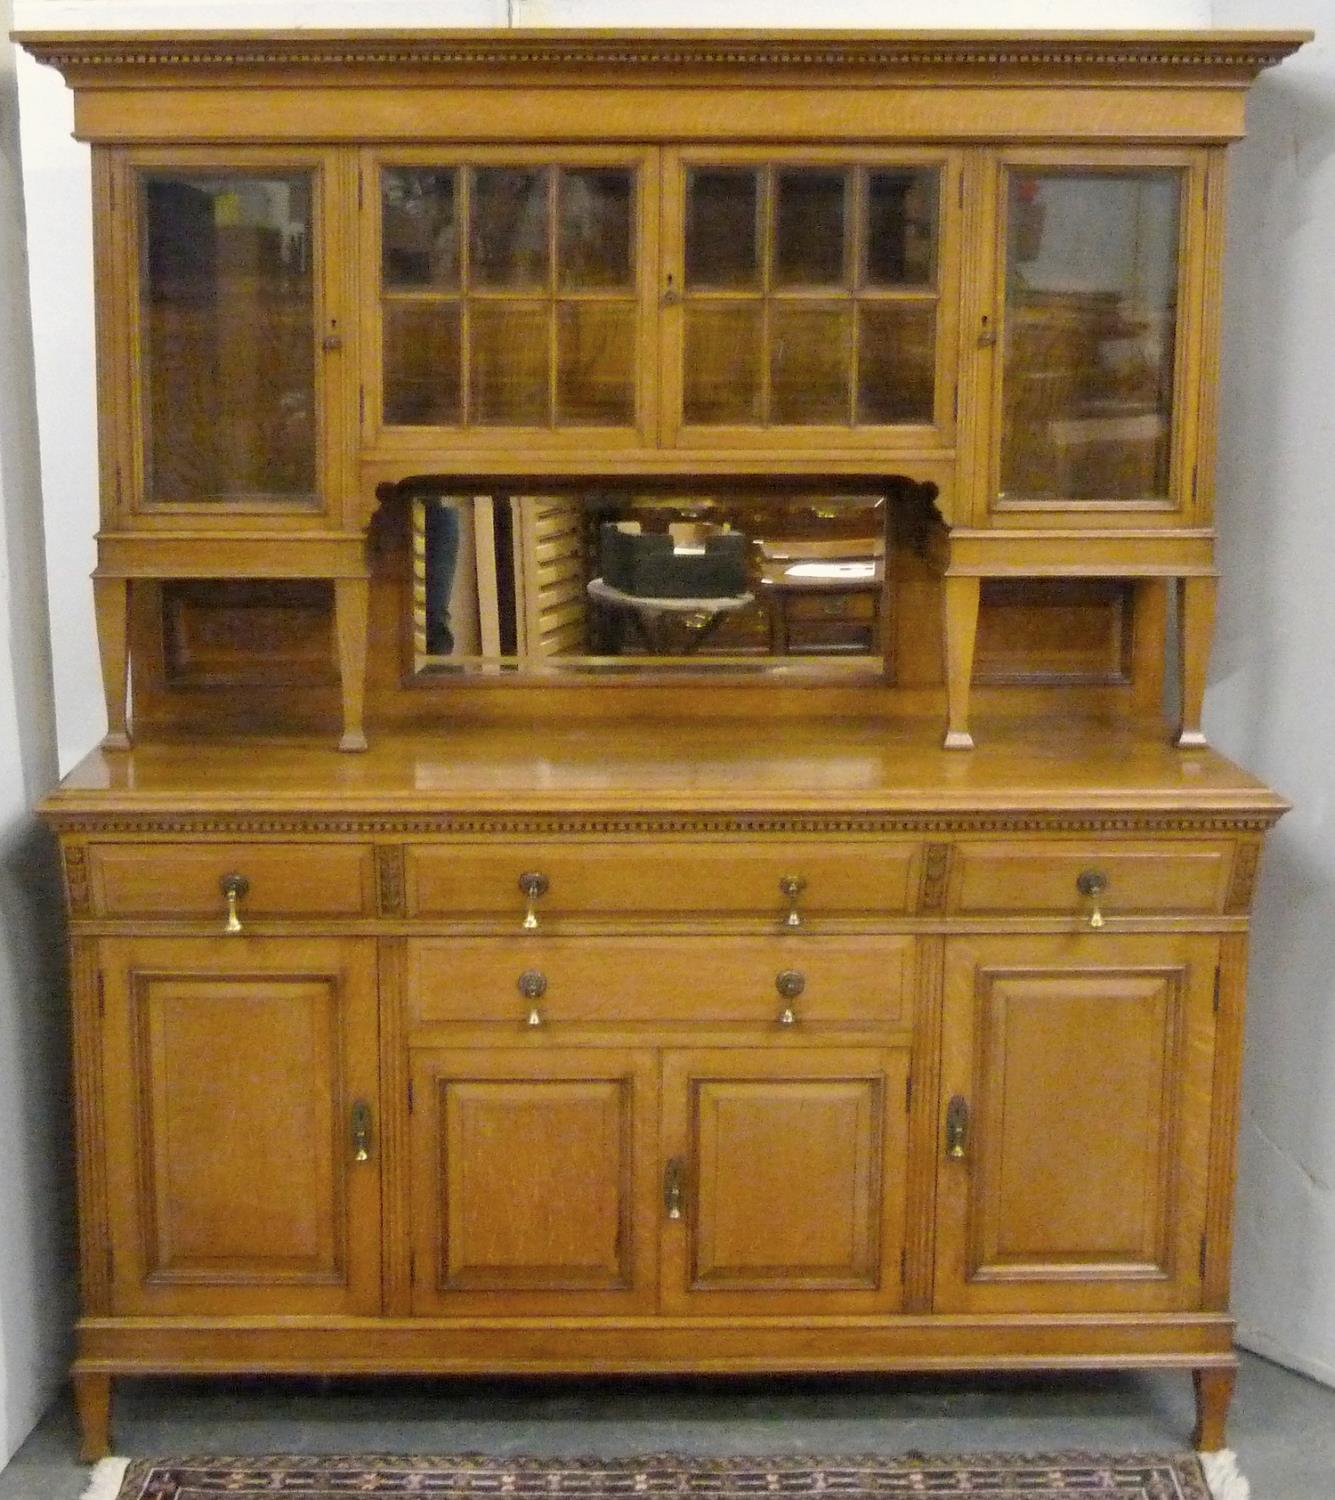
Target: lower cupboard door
[
  {"x": 533, "y": 1189},
  {"x": 784, "y": 1176},
  {"x": 1075, "y": 1123},
  {"x": 240, "y": 1132}
]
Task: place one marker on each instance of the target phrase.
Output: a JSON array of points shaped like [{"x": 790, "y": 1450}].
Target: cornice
[{"x": 1236, "y": 54}]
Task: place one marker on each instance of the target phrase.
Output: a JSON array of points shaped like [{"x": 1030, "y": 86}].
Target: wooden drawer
[
  {"x": 817, "y": 606},
  {"x": 185, "y": 880},
  {"x": 846, "y": 981},
  {"x": 471, "y": 881},
  {"x": 1042, "y": 875}
]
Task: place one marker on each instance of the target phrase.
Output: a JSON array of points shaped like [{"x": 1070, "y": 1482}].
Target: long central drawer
[
  {"x": 851, "y": 981},
  {"x": 701, "y": 879}
]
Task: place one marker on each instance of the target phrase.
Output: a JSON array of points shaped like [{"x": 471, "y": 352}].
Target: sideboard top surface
[{"x": 1045, "y": 768}]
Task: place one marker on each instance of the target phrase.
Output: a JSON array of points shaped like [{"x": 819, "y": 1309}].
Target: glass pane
[
  {"x": 896, "y": 362},
  {"x": 721, "y": 238},
  {"x": 595, "y": 364},
  {"x": 421, "y": 364},
  {"x": 901, "y": 227},
  {"x": 508, "y": 243},
  {"x": 510, "y": 380},
  {"x": 596, "y": 212},
  {"x": 226, "y": 275},
  {"x": 1091, "y": 310},
  {"x": 419, "y": 228},
  {"x": 722, "y": 364},
  {"x": 811, "y": 361},
  {"x": 809, "y": 227}
]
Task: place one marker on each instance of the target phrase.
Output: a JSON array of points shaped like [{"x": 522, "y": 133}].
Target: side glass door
[
  {"x": 810, "y": 299},
  {"x": 230, "y": 400},
  {"x": 1096, "y": 369},
  {"x": 511, "y": 299}
]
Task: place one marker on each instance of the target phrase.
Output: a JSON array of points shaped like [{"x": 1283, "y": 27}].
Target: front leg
[
  {"x": 961, "y": 627},
  {"x": 92, "y": 1404},
  {"x": 1214, "y": 1392}
]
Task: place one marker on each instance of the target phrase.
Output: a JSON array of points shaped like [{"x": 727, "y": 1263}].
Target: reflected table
[
  {"x": 668, "y": 627},
  {"x": 823, "y": 605}
]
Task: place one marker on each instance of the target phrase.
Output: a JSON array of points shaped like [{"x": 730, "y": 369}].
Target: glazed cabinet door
[
  {"x": 783, "y": 1180},
  {"x": 1094, "y": 335},
  {"x": 240, "y": 1100},
  {"x": 1074, "y": 1127},
  {"x": 533, "y": 1185},
  {"x": 809, "y": 298},
  {"x": 229, "y": 402},
  {"x": 509, "y": 303}
]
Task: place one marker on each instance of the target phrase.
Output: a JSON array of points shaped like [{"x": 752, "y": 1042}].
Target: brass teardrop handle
[
  {"x": 957, "y": 1127},
  {"x": 672, "y": 1187},
  {"x": 533, "y": 986},
  {"x": 792, "y": 887},
  {"x": 534, "y": 886},
  {"x": 361, "y": 1131},
  {"x": 790, "y": 983},
  {"x": 1091, "y": 884},
  {"x": 233, "y": 887}
]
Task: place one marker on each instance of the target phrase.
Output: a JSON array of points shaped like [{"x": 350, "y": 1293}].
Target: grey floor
[{"x": 1282, "y": 1426}]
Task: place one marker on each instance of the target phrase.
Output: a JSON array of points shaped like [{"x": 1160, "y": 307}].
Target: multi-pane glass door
[
  {"x": 808, "y": 298},
  {"x": 510, "y": 298},
  {"x": 1092, "y": 389}
]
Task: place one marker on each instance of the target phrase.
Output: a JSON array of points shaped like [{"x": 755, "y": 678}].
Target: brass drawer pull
[
  {"x": 1091, "y": 884},
  {"x": 672, "y": 1187},
  {"x": 957, "y": 1127},
  {"x": 361, "y": 1131},
  {"x": 533, "y": 986},
  {"x": 533, "y": 886},
  {"x": 792, "y": 887},
  {"x": 233, "y": 887},
  {"x": 790, "y": 983}
]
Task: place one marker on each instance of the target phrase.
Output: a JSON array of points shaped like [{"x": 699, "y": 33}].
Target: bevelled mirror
[{"x": 614, "y": 582}]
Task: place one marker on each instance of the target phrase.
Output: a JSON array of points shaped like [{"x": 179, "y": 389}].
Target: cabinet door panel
[
  {"x": 789, "y": 1168},
  {"x": 232, "y": 1070},
  {"x": 532, "y": 1186},
  {"x": 1085, "y": 1065}
]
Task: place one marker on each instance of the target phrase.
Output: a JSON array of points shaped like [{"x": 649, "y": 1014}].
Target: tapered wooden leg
[
  {"x": 1149, "y": 633},
  {"x": 1195, "y": 629},
  {"x": 352, "y": 598},
  {"x": 92, "y": 1402},
  {"x": 961, "y": 608},
  {"x": 111, "y": 604},
  {"x": 1214, "y": 1391}
]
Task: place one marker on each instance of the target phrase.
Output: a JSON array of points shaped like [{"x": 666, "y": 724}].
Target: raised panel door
[
  {"x": 784, "y": 1180},
  {"x": 533, "y": 1187},
  {"x": 241, "y": 1154},
  {"x": 1075, "y": 1103}
]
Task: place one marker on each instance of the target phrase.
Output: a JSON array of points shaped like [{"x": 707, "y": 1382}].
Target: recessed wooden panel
[
  {"x": 847, "y": 981},
  {"x": 792, "y": 1169},
  {"x": 1054, "y": 630},
  {"x": 231, "y": 1070},
  {"x": 530, "y": 1181},
  {"x": 247, "y": 632},
  {"x": 1041, "y": 875},
  {"x": 467, "y": 880},
  {"x": 185, "y": 880},
  {"x": 1084, "y": 1065}
]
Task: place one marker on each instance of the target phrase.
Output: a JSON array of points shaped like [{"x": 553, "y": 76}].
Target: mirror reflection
[{"x": 618, "y": 582}]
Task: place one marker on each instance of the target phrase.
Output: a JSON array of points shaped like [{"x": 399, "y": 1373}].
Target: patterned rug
[{"x": 1061, "y": 1476}]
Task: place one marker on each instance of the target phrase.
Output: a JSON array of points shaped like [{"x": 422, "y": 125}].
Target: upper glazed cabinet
[{"x": 704, "y": 299}]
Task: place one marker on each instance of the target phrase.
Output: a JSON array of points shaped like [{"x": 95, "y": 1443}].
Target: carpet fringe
[
  {"x": 1221, "y": 1474},
  {"x": 104, "y": 1481}
]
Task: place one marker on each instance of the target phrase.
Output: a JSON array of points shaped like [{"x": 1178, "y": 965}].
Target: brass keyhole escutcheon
[
  {"x": 233, "y": 887},
  {"x": 533, "y": 986},
  {"x": 534, "y": 886},
  {"x": 1092, "y": 884}
]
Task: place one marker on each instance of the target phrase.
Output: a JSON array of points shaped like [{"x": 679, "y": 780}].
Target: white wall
[
  {"x": 1271, "y": 701},
  {"x": 35, "y": 1258},
  {"x": 1270, "y": 698}
]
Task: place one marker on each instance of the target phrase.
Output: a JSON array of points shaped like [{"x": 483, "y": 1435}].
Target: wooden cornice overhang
[{"x": 116, "y": 75}]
